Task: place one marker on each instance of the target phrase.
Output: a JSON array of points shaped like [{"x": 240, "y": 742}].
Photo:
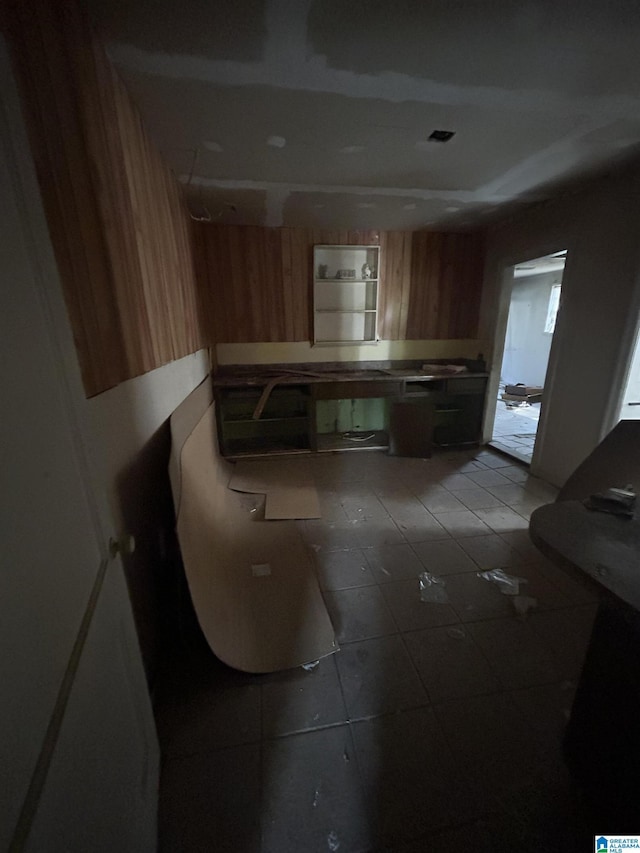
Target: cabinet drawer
[
  {"x": 467, "y": 385},
  {"x": 356, "y": 389}
]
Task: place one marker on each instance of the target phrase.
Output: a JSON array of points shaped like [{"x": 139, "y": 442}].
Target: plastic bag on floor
[
  {"x": 507, "y": 584},
  {"x": 432, "y": 589}
]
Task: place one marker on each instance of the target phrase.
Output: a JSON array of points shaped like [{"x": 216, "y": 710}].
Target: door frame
[{"x": 503, "y": 305}]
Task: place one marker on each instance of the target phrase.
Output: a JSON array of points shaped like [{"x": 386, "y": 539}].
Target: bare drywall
[{"x": 596, "y": 326}]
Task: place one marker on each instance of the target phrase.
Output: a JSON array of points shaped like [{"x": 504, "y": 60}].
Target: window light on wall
[{"x": 552, "y": 310}]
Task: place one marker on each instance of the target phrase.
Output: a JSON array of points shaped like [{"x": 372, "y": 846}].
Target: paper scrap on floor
[{"x": 287, "y": 483}]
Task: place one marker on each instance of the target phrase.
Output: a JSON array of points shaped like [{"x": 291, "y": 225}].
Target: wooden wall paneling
[
  {"x": 448, "y": 284},
  {"x": 103, "y": 137},
  {"x": 416, "y": 314},
  {"x": 288, "y": 286},
  {"x": 262, "y": 279},
  {"x": 405, "y": 279},
  {"x": 277, "y": 307},
  {"x": 390, "y": 288},
  {"x": 302, "y": 261},
  {"x": 117, "y": 219},
  {"x": 67, "y": 182}
]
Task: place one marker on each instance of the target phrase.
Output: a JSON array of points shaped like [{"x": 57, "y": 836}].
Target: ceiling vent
[{"x": 442, "y": 135}]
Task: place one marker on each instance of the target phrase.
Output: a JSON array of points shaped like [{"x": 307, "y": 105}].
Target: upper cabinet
[{"x": 345, "y": 294}]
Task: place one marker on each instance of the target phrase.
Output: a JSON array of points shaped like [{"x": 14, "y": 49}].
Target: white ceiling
[{"x": 318, "y": 112}]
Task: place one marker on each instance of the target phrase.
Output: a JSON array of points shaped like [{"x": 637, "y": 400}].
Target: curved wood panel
[{"x": 253, "y": 622}]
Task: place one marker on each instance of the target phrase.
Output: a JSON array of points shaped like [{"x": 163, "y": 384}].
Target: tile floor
[
  {"x": 514, "y": 429},
  {"x": 437, "y": 726}
]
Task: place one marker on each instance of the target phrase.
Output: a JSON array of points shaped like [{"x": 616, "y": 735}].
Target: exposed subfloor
[
  {"x": 436, "y": 726},
  {"x": 514, "y": 429}
]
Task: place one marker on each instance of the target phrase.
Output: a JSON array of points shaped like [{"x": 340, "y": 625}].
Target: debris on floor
[
  {"x": 507, "y": 584},
  {"x": 432, "y": 589}
]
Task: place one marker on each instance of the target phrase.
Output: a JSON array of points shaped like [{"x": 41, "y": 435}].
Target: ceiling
[{"x": 318, "y": 112}]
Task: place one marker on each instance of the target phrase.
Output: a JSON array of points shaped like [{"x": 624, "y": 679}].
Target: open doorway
[{"x": 535, "y": 300}]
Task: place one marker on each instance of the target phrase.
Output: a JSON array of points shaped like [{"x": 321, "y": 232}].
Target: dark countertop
[
  {"x": 603, "y": 546},
  {"x": 309, "y": 376}
]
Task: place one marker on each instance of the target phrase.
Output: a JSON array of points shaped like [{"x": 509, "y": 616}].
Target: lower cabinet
[
  {"x": 284, "y": 425},
  {"x": 408, "y": 416}
]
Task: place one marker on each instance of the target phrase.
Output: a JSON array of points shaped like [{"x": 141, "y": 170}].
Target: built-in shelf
[{"x": 345, "y": 304}]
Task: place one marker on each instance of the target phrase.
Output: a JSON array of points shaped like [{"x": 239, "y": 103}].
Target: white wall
[
  {"x": 123, "y": 419},
  {"x": 595, "y": 331},
  {"x": 527, "y": 345}
]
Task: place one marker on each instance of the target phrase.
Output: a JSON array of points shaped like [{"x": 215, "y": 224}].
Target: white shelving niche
[{"x": 345, "y": 294}]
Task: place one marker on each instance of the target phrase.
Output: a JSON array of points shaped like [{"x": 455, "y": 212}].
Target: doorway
[{"x": 533, "y": 309}]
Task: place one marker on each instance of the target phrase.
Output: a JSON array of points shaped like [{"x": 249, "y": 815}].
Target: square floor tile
[
  {"x": 489, "y": 478},
  {"x": 374, "y": 532},
  {"x": 491, "y": 552},
  {"x": 474, "y": 598},
  {"x": 492, "y": 460},
  {"x": 547, "y": 708},
  {"x": 410, "y": 778},
  {"x": 361, "y": 506},
  {"x": 477, "y": 498},
  {"x": 437, "y": 502},
  {"x": 211, "y": 801},
  {"x": 450, "y": 663},
  {"x": 458, "y": 482},
  {"x": 502, "y": 519},
  {"x": 566, "y": 635},
  {"x": 515, "y": 473},
  {"x": 521, "y": 542},
  {"x": 343, "y": 569},
  {"x": 512, "y": 494},
  {"x": 401, "y": 504},
  {"x": 444, "y": 558},
  {"x": 330, "y": 535},
  {"x": 299, "y": 700},
  {"x": 377, "y": 677},
  {"x": 490, "y": 739},
  {"x": 465, "y": 523},
  {"x": 393, "y": 562},
  {"x": 518, "y": 656},
  {"x": 422, "y": 528},
  {"x": 547, "y": 595},
  {"x": 410, "y": 612},
  {"x": 312, "y": 795},
  {"x": 359, "y": 613},
  {"x": 330, "y": 506}
]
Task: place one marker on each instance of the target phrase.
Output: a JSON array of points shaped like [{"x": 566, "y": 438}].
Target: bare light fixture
[{"x": 442, "y": 135}]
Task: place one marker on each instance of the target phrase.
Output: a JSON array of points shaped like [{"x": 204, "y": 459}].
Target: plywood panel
[
  {"x": 118, "y": 222},
  {"x": 252, "y": 583}
]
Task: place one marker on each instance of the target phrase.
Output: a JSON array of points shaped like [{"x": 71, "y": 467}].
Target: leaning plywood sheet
[
  {"x": 287, "y": 483},
  {"x": 183, "y": 422},
  {"x": 252, "y": 583}
]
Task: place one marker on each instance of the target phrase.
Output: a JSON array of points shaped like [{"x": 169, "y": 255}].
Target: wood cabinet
[
  {"x": 345, "y": 294},
  {"x": 350, "y": 413}
]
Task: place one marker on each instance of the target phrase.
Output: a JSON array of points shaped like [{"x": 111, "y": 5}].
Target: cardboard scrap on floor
[
  {"x": 253, "y": 586},
  {"x": 287, "y": 483}
]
